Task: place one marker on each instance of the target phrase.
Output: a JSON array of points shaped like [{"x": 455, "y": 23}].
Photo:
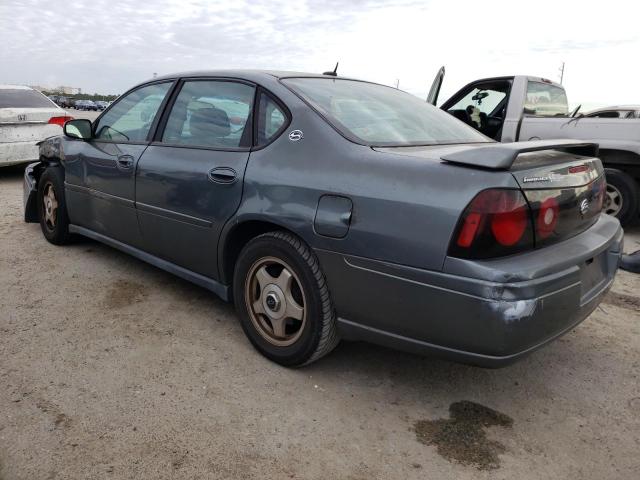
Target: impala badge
[{"x": 295, "y": 135}]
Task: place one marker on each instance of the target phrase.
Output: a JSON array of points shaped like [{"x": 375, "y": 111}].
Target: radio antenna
[{"x": 335, "y": 71}]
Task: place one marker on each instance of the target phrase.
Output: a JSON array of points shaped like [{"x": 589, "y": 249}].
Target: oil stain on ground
[
  {"x": 123, "y": 293},
  {"x": 462, "y": 437}
]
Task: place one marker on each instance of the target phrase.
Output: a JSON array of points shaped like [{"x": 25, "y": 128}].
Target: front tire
[
  {"x": 283, "y": 300},
  {"x": 621, "y": 199},
  {"x": 52, "y": 206}
]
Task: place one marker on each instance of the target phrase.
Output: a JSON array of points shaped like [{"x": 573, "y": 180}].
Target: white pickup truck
[{"x": 521, "y": 108}]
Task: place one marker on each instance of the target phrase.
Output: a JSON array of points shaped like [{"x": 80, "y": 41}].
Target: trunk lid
[
  {"x": 28, "y": 124},
  {"x": 562, "y": 181},
  {"x": 565, "y": 192}
]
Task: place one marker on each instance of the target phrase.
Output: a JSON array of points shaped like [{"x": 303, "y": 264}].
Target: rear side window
[
  {"x": 21, "y": 98},
  {"x": 546, "y": 100},
  {"x": 211, "y": 113},
  {"x": 131, "y": 117},
  {"x": 271, "y": 119},
  {"x": 381, "y": 116}
]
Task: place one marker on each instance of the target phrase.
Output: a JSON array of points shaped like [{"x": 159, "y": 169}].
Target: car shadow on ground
[
  {"x": 12, "y": 172},
  {"x": 395, "y": 372},
  {"x": 372, "y": 365}
]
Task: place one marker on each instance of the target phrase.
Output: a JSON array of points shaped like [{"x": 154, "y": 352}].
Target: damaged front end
[{"x": 50, "y": 152}]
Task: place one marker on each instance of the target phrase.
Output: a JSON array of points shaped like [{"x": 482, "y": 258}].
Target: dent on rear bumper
[{"x": 474, "y": 320}]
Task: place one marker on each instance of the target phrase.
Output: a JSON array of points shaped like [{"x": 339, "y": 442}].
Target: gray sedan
[{"x": 330, "y": 208}]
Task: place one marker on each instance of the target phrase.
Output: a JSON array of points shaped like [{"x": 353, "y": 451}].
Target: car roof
[
  {"x": 14, "y": 87},
  {"x": 248, "y": 74},
  {"x": 511, "y": 77},
  {"x": 615, "y": 107}
]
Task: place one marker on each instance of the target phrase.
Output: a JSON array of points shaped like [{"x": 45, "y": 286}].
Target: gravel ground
[{"x": 110, "y": 368}]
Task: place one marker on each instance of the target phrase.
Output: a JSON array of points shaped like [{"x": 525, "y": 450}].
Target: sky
[{"x": 107, "y": 46}]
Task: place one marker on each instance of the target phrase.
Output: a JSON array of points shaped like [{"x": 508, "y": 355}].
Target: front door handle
[
  {"x": 223, "y": 175},
  {"x": 124, "y": 162}
]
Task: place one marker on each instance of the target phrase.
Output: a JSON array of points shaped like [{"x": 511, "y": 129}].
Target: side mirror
[{"x": 78, "y": 128}]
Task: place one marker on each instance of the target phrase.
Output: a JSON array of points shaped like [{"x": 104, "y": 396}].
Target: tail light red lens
[
  {"x": 497, "y": 222},
  {"x": 59, "y": 120},
  {"x": 501, "y": 222}
]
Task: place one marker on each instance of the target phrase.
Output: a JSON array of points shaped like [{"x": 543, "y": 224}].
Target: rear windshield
[
  {"x": 545, "y": 100},
  {"x": 19, "y": 98},
  {"x": 376, "y": 115}
]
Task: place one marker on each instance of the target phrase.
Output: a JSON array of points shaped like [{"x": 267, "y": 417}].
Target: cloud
[{"x": 108, "y": 46}]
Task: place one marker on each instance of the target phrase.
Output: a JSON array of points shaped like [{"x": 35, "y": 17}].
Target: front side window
[
  {"x": 376, "y": 115},
  {"x": 546, "y": 100},
  {"x": 211, "y": 113},
  {"x": 130, "y": 119},
  {"x": 271, "y": 119}
]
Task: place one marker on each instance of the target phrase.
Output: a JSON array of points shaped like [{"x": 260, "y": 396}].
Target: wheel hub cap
[
  {"x": 50, "y": 204},
  {"x": 275, "y": 301},
  {"x": 612, "y": 201}
]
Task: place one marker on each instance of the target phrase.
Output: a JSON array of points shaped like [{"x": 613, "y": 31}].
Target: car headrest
[{"x": 205, "y": 123}]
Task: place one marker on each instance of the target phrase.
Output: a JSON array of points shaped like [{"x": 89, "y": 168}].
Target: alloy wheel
[
  {"x": 50, "y": 206},
  {"x": 275, "y": 301},
  {"x": 613, "y": 201}
]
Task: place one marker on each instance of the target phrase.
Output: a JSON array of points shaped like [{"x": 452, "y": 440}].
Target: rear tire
[
  {"x": 283, "y": 300},
  {"x": 52, "y": 206},
  {"x": 621, "y": 199}
]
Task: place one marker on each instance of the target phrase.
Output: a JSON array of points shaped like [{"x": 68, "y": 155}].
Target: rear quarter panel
[{"x": 404, "y": 207}]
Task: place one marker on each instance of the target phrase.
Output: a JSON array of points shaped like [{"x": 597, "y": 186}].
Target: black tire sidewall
[
  {"x": 302, "y": 350},
  {"x": 629, "y": 191},
  {"x": 60, "y": 233}
]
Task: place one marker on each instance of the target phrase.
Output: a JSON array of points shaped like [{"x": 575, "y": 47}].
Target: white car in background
[
  {"x": 618, "y": 111},
  {"x": 26, "y": 118}
]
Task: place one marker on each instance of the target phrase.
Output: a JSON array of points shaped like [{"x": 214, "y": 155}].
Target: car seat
[{"x": 208, "y": 126}]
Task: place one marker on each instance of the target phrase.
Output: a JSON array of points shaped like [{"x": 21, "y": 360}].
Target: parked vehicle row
[
  {"x": 61, "y": 101},
  {"x": 522, "y": 108},
  {"x": 85, "y": 105},
  {"x": 330, "y": 208},
  {"x": 26, "y": 118},
  {"x": 80, "y": 104}
]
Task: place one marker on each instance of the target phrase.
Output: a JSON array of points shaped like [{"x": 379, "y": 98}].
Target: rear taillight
[
  {"x": 497, "y": 222},
  {"x": 547, "y": 217},
  {"x": 59, "y": 120},
  {"x": 501, "y": 222}
]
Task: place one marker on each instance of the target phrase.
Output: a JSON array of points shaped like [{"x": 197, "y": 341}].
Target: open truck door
[{"x": 432, "y": 98}]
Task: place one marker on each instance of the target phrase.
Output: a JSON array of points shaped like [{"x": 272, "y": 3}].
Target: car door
[
  {"x": 189, "y": 180},
  {"x": 100, "y": 173},
  {"x": 434, "y": 91}
]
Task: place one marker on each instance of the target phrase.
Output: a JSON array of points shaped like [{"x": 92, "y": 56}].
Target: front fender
[{"x": 51, "y": 153}]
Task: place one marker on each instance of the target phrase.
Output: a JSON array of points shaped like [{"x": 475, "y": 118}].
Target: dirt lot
[{"x": 110, "y": 368}]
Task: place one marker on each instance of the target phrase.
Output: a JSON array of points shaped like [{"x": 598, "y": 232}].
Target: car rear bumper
[
  {"x": 13, "y": 153},
  {"x": 487, "y": 313}
]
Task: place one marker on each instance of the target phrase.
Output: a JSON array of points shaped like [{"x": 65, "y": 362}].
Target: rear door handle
[
  {"x": 124, "y": 162},
  {"x": 223, "y": 175}
]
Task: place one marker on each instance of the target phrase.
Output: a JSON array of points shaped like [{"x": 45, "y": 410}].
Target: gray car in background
[{"x": 330, "y": 208}]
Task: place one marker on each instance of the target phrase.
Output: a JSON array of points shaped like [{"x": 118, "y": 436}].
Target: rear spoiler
[{"x": 500, "y": 156}]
